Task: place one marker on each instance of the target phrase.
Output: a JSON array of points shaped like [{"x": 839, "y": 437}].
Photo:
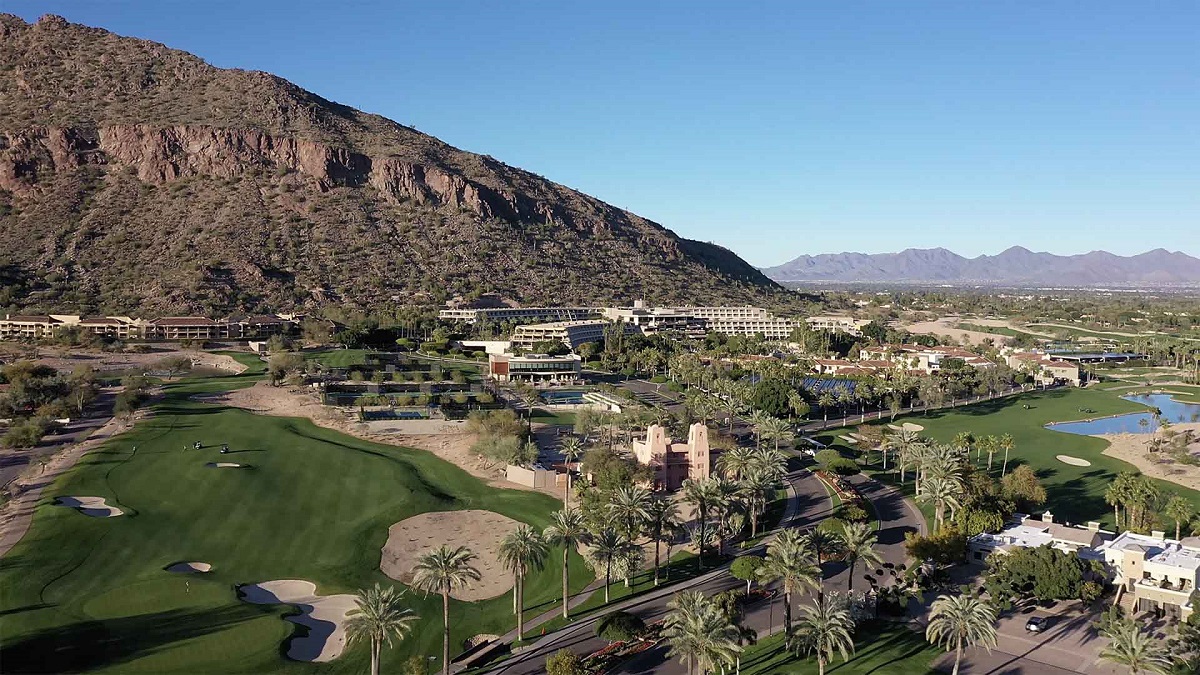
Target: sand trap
[
  {"x": 481, "y": 531},
  {"x": 90, "y": 506},
  {"x": 225, "y": 465},
  {"x": 1073, "y": 461},
  {"x": 323, "y": 615},
  {"x": 189, "y": 568},
  {"x": 907, "y": 426}
]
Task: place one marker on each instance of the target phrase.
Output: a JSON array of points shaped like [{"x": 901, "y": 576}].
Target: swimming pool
[
  {"x": 376, "y": 415},
  {"x": 556, "y": 397},
  {"x": 1172, "y": 411}
]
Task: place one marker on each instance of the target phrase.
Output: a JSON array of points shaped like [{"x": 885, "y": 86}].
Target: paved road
[
  {"x": 812, "y": 505},
  {"x": 96, "y": 414}
]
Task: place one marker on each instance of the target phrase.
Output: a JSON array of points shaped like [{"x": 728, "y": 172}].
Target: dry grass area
[
  {"x": 945, "y": 327},
  {"x": 1132, "y": 448},
  {"x": 480, "y": 531}
]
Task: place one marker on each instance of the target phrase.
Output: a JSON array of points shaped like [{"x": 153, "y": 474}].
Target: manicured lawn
[
  {"x": 85, "y": 594},
  {"x": 339, "y": 358},
  {"x": 544, "y": 416},
  {"x": 1076, "y": 494},
  {"x": 880, "y": 648}
]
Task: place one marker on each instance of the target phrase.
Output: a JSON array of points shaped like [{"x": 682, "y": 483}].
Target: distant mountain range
[{"x": 1016, "y": 266}]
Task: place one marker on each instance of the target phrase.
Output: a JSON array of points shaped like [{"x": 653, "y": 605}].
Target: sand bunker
[
  {"x": 907, "y": 426},
  {"x": 90, "y": 506},
  {"x": 1073, "y": 461},
  {"x": 481, "y": 531},
  {"x": 323, "y": 615},
  {"x": 189, "y": 568},
  {"x": 226, "y": 465}
]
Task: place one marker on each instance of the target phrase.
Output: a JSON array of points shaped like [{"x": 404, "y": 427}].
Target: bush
[
  {"x": 619, "y": 627},
  {"x": 564, "y": 662},
  {"x": 824, "y": 457},
  {"x": 746, "y": 568},
  {"x": 25, "y": 433},
  {"x": 854, "y": 513},
  {"x": 484, "y": 397},
  {"x": 659, "y": 379}
]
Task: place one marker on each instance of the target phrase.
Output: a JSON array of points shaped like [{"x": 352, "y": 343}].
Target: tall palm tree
[
  {"x": 824, "y": 629},
  {"x": 442, "y": 570},
  {"x": 704, "y": 495},
  {"x": 1135, "y": 650},
  {"x": 822, "y": 545},
  {"x": 700, "y": 634},
  {"x": 903, "y": 442},
  {"x": 945, "y": 492},
  {"x": 1006, "y": 444},
  {"x": 756, "y": 489},
  {"x": 790, "y": 562},
  {"x": 736, "y": 463},
  {"x": 959, "y": 621},
  {"x": 572, "y": 450},
  {"x": 825, "y": 401},
  {"x": 568, "y": 531},
  {"x": 858, "y": 545},
  {"x": 662, "y": 517},
  {"x": 1181, "y": 511},
  {"x": 628, "y": 509},
  {"x": 759, "y": 421},
  {"x": 608, "y": 548},
  {"x": 777, "y": 431},
  {"x": 522, "y": 550},
  {"x": 380, "y": 616}
]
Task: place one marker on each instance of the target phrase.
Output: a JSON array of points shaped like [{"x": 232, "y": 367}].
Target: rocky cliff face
[{"x": 138, "y": 178}]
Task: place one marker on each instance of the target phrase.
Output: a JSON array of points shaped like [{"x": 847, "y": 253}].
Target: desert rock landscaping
[{"x": 481, "y": 531}]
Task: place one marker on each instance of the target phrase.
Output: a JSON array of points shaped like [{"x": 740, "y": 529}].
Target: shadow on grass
[{"x": 88, "y": 645}]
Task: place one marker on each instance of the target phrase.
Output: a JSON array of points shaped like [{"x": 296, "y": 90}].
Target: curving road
[{"x": 809, "y": 505}]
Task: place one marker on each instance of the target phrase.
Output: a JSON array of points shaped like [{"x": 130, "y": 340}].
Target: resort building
[
  {"x": 672, "y": 462},
  {"x": 928, "y": 360},
  {"x": 1044, "y": 368},
  {"x": 656, "y": 319},
  {"x": 1028, "y": 532},
  {"x": 15, "y": 327},
  {"x": 1159, "y": 573},
  {"x": 517, "y": 314},
  {"x": 534, "y": 368},
  {"x": 744, "y": 320},
  {"x": 837, "y": 324},
  {"x": 570, "y": 333}
]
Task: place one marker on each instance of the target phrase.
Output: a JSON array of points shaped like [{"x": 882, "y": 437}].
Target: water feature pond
[{"x": 1172, "y": 411}]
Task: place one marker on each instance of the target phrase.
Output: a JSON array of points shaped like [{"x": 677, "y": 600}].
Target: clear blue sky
[{"x": 773, "y": 128}]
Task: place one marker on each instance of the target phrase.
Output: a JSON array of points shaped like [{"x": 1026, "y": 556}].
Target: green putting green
[
  {"x": 91, "y": 594},
  {"x": 1075, "y": 493}
]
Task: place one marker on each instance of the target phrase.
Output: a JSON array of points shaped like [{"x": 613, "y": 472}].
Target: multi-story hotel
[
  {"x": 14, "y": 327},
  {"x": 570, "y": 333},
  {"x": 534, "y": 367},
  {"x": 841, "y": 324},
  {"x": 518, "y": 314},
  {"x": 1160, "y": 573}
]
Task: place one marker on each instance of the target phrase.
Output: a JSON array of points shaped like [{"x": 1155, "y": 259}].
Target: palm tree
[
  {"x": 756, "y": 489},
  {"x": 703, "y": 494},
  {"x": 825, "y": 400},
  {"x": 662, "y": 516},
  {"x": 758, "y": 422},
  {"x": 777, "y": 431},
  {"x": 789, "y": 561},
  {"x": 735, "y": 463},
  {"x": 628, "y": 507},
  {"x": 700, "y": 634},
  {"x": 566, "y": 530},
  {"x": 945, "y": 493},
  {"x": 442, "y": 570},
  {"x": 858, "y": 545},
  {"x": 1135, "y": 650},
  {"x": 608, "y": 549},
  {"x": 521, "y": 550},
  {"x": 825, "y": 629},
  {"x": 958, "y": 621},
  {"x": 1180, "y": 510},
  {"x": 379, "y": 617},
  {"x": 572, "y": 450},
  {"x": 1006, "y": 444},
  {"x": 903, "y": 442}
]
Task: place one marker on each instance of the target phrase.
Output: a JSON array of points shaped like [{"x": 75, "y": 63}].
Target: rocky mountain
[
  {"x": 1016, "y": 266},
  {"x": 137, "y": 178}
]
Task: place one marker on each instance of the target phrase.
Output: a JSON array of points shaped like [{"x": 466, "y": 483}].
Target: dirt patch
[
  {"x": 324, "y": 616},
  {"x": 95, "y": 507},
  {"x": 66, "y": 359},
  {"x": 1133, "y": 448},
  {"x": 480, "y": 531},
  {"x": 945, "y": 327}
]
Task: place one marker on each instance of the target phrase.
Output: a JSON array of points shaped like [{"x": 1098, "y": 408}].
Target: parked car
[{"x": 1037, "y": 624}]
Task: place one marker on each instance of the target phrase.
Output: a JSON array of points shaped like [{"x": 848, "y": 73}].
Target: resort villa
[
  {"x": 673, "y": 462},
  {"x": 1159, "y": 574},
  {"x": 534, "y": 368},
  {"x": 1028, "y": 532}
]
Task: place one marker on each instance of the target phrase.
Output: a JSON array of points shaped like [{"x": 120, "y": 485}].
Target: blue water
[
  {"x": 562, "y": 396},
  {"x": 1172, "y": 411}
]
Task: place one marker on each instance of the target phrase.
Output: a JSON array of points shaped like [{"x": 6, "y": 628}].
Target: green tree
[
  {"x": 746, "y": 568},
  {"x": 1023, "y": 488},
  {"x": 619, "y": 627},
  {"x": 771, "y": 396},
  {"x": 522, "y": 550},
  {"x": 790, "y": 562},
  {"x": 566, "y": 530},
  {"x": 1180, "y": 510},
  {"x": 704, "y": 495},
  {"x": 946, "y": 494},
  {"x": 379, "y": 617},
  {"x": 564, "y": 661},
  {"x": 700, "y": 634},
  {"x": 959, "y": 621},
  {"x": 442, "y": 570},
  {"x": 858, "y": 545},
  {"x": 1135, "y": 650},
  {"x": 662, "y": 518},
  {"x": 608, "y": 548},
  {"x": 1043, "y": 573},
  {"x": 824, "y": 630},
  {"x": 572, "y": 450}
]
